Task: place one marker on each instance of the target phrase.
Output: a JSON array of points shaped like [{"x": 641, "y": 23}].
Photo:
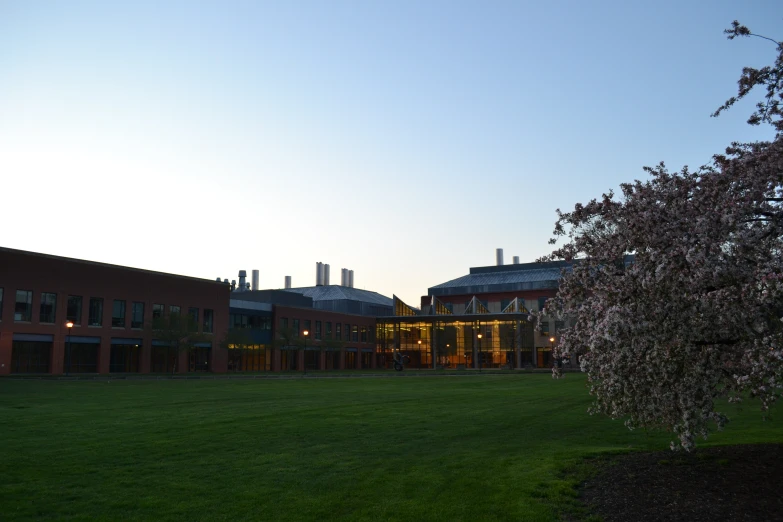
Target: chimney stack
[
  {"x": 242, "y": 277},
  {"x": 254, "y": 287},
  {"x": 288, "y": 281},
  {"x": 350, "y": 278},
  {"x": 516, "y": 260},
  {"x": 326, "y": 275},
  {"x": 499, "y": 256},
  {"x": 343, "y": 277}
]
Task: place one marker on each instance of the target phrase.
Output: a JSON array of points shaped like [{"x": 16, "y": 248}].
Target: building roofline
[{"x": 105, "y": 265}]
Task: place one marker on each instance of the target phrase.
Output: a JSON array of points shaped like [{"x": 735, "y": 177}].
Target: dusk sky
[{"x": 403, "y": 140}]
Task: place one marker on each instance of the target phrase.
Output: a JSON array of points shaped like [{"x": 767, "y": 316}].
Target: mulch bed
[{"x": 710, "y": 484}]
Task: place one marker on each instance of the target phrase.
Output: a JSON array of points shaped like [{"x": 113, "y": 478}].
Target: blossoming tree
[{"x": 698, "y": 314}]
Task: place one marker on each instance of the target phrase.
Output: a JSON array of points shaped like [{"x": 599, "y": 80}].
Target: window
[
  {"x": 73, "y": 309},
  {"x": 174, "y": 315},
  {"x": 157, "y": 311},
  {"x": 284, "y": 322},
  {"x": 318, "y": 329},
  {"x": 337, "y": 328},
  {"x": 96, "y": 312},
  {"x": 23, "y": 310},
  {"x": 48, "y": 308},
  {"x": 364, "y": 334},
  {"x": 137, "y": 315},
  {"x": 544, "y": 327},
  {"x": 328, "y": 330},
  {"x": 355, "y": 333},
  {"x": 118, "y": 314},
  {"x": 295, "y": 327},
  {"x": 208, "y": 317},
  {"x": 559, "y": 326},
  {"x": 347, "y": 332},
  {"x": 193, "y": 319},
  {"x": 541, "y": 303},
  {"x": 307, "y": 326}
]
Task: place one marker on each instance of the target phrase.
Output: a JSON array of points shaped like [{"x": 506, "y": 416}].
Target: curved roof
[{"x": 337, "y": 292}]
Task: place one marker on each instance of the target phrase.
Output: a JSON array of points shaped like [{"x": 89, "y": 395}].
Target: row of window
[
  {"x": 47, "y": 313},
  {"x": 256, "y": 322},
  {"x": 353, "y": 332}
]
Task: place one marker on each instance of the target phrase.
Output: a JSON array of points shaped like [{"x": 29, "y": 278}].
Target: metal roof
[
  {"x": 501, "y": 281},
  {"x": 337, "y": 292}
]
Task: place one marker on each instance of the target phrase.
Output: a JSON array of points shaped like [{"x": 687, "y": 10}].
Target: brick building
[{"x": 111, "y": 308}]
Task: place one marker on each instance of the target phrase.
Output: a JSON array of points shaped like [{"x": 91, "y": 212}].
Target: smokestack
[
  {"x": 255, "y": 280},
  {"x": 225, "y": 281},
  {"x": 218, "y": 280},
  {"x": 516, "y": 260},
  {"x": 343, "y": 277},
  {"x": 242, "y": 277},
  {"x": 233, "y": 284},
  {"x": 499, "y": 256},
  {"x": 326, "y": 274},
  {"x": 319, "y": 274},
  {"x": 288, "y": 281},
  {"x": 350, "y": 278}
]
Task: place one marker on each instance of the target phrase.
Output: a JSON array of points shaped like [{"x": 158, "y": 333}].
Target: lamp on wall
[
  {"x": 481, "y": 355},
  {"x": 304, "y": 356},
  {"x": 69, "y": 325}
]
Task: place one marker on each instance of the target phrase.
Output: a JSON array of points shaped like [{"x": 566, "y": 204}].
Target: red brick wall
[
  {"x": 313, "y": 315},
  {"x": 20, "y": 270}
]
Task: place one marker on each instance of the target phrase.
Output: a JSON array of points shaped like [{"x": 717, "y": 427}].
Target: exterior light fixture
[{"x": 69, "y": 325}]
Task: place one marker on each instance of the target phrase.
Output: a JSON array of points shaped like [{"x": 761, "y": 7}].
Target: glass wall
[
  {"x": 198, "y": 359},
  {"x": 30, "y": 356},
  {"x": 163, "y": 359},
  {"x": 252, "y": 358},
  {"x": 312, "y": 359},
  {"x": 83, "y": 357},
  {"x": 485, "y": 342},
  {"x": 289, "y": 359},
  {"x": 332, "y": 360},
  {"x": 124, "y": 358}
]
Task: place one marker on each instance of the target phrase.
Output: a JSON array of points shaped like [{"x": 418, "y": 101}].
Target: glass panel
[
  {"x": 137, "y": 315},
  {"x": 96, "y": 311},
  {"x": 48, "y": 307},
  {"x": 124, "y": 358},
  {"x": 23, "y": 309},
  {"x": 118, "y": 314},
  {"x": 81, "y": 357},
  {"x": 193, "y": 319},
  {"x": 157, "y": 311},
  {"x": 73, "y": 310},
  {"x": 208, "y": 316},
  {"x": 30, "y": 356}
]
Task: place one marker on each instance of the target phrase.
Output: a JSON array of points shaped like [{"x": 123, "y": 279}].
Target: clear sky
[{"x": 405, "y": 140}]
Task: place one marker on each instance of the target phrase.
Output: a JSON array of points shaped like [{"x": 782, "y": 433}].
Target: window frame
[
  {"x": 99, "y": 302},
  {"x": 42, "y": 303},
  {"x": 77, "y": 318},
  {"x": 29, "y": 306},
  {"x": 119, "y": 321},
  {"x": 133, "y": 315}
]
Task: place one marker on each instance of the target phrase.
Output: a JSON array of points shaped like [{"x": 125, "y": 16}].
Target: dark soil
[{"x": 709, "y": 484}]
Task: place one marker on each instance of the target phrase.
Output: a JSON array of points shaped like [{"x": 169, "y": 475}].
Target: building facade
[
  {"x": 111, "y": 309},
  {"x": 304, "y": 329},
  {"x": 480, "y": 320}
]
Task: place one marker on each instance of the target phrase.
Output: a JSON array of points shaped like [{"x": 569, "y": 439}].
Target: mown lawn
[{"x": 445, "y": 448}]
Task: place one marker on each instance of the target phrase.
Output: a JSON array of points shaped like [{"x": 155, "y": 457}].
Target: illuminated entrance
[{"x": 477, "y": 339}]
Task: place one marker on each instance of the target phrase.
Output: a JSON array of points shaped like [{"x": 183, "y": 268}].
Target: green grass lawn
[{"x": 448, "y": 448}]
